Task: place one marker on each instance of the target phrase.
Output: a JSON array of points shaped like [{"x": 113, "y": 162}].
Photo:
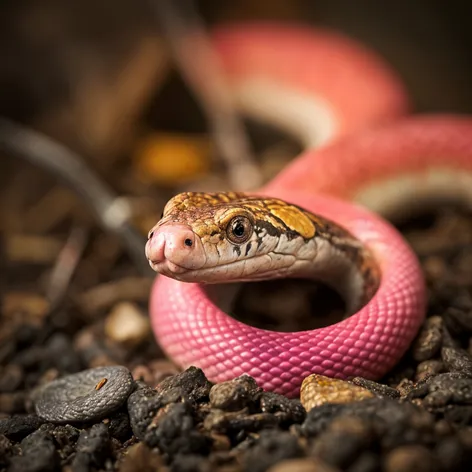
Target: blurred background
[{"x": 101, "y": 79}]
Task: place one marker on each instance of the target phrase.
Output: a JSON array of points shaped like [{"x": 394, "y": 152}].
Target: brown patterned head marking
[
  {"x": 239, "y": 230},
  {"x": 210, "y": 214}
]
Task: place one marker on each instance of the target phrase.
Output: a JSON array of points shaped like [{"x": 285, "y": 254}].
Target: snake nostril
[
  {"x": 151, "y": 234},
  {"x": 188, "y": 242}
]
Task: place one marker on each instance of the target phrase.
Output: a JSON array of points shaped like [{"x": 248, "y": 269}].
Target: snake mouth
[
  {"x": 230, "y": 272},
  {"x": 168, "y": 268}
]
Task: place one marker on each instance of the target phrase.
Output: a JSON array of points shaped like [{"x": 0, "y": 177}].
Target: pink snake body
[{"x": 371, "y": 147}]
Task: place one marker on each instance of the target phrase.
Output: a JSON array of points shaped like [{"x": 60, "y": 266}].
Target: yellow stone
[{"x": 316, "y": 390}]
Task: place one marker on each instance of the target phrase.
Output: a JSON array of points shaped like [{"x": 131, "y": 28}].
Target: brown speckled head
[
  {"x": 228, "y": 237},
  {"x": 210, "y": 212}
]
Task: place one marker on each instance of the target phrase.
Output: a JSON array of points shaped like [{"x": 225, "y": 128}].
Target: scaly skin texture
[
  {"x": 194, "y": 331},
  {"x": 413, "y": 146}
]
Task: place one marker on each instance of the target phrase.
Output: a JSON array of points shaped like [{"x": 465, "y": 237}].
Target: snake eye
[{"x": 239, "y": 229}]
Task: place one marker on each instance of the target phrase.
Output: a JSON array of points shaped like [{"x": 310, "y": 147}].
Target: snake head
[{"x": 228, "y": 237}]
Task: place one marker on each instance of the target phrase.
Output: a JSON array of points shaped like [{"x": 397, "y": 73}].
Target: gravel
[{"x": 418, "y": 418}]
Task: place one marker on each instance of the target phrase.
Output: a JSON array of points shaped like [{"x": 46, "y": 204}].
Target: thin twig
[
  {"x": 112, "y": 212},
  {"x": 199, "y": 66},
  {"x": 66, "y": 265}
]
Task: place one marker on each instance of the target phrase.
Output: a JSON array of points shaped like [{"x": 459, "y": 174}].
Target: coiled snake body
[{"x": 307, "y": 221}]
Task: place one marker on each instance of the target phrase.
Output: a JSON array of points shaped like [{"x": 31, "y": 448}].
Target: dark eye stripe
[{"x": 248, "y": 248}]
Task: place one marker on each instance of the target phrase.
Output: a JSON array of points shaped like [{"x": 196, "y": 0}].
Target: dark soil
[{"x": 419, "y": 420}]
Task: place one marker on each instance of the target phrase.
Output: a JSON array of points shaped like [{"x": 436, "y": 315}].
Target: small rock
[
  {"x": 143, "y": 405},
  {"x": 84, "y": 396},
  {"x": 457, "y": 360},
  {"x": 93, "y": 448},
  {"x": 271, "y": 448},
  {"x": 119, "y": 426},
  {"x": 173, "y": 432},
  {"x": 39, "y": 454},
  {"x": 428, "y": 368},
  {"x": 287, "y": 411},
  {"x": 443, "y": 389},
  {"x": 303, "y": 465},
  {"x": 405, "y": 387},
  {"x": 377, "y": 389},
  {"x": 66, "y": 437},
  {"x": 235, "y": 394},
  {"x": 239, "y": 422},
  {"x": 127, "y": 325},
  {"x": 140, "y": 457},
  {"x": 343, "y": 441},
  {"x": 19, "y": 426},
  {"x": 317, "y": 390},
  {"x": 410, "y": 458},
  {"x": 389, "y": 419},
  {"x": 191, "y": 384},
  {"x": 318, "y": 419},
  {"x": 429, "y": 340}
]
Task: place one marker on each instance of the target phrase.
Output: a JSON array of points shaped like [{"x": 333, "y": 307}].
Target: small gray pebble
[{"x": 87, "y": 395}]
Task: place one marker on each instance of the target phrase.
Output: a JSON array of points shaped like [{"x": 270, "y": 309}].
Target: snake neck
[{"x": 342, "y": 262}]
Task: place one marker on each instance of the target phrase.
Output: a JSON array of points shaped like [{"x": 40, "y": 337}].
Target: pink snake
[{"x": 369, "y": 153}]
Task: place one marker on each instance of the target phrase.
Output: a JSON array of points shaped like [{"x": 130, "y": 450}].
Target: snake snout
[{"x": 174, "y": 248}]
